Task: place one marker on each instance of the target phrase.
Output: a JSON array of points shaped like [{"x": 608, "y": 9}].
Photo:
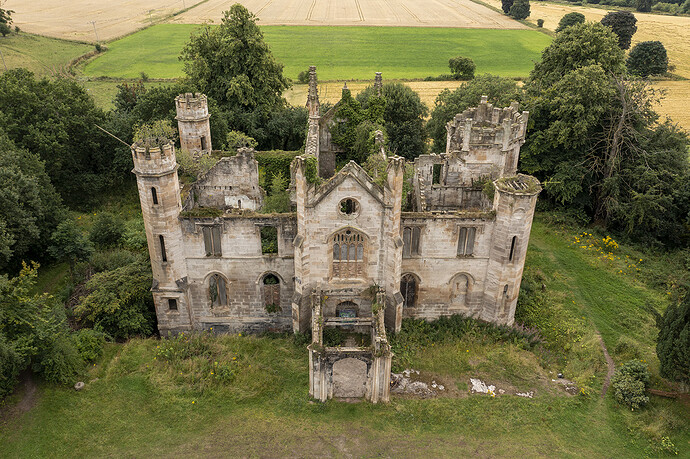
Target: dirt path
[
  {"x": 609, "y": 363},
  {"x": 28, "y": 393}
]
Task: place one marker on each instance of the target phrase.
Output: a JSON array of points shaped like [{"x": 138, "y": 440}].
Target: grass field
[
  {"x": 41, "y": 55},
  {"x": 264, "y": 410},
  {"x": 339, "y": 52}
]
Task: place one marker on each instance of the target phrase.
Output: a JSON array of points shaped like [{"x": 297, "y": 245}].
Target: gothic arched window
[
  {"x": 408, "y": 290},
  {"x": 271, "y": 285},
  {"x": 217, "y": 290},
  {"x": 348, "y": 254},
  {"x": 459, "y": 288}
]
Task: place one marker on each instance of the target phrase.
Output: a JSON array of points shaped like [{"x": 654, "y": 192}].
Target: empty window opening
[
  {"x": 436, "y": 174},
  {"x": 348, "y": 254},
  {"x": 217, "y": 290},
  {"x": 505, "y": 290},
  {"x": 239, "y": 203},
  {"x": 408, "y": 290},
  {"x": 204, "y": 145},
  {"x": 161, "y": 239},
  {"x": 347, "y": 309},
  {"x": 466, "y": 241},
  {"x": 154, "y": 195},
  {"x": 271, "y": 286},
  {"x": 269, "y": 239},
  {"x": 411, "y": 241},
  {"x": 348, "y": 206},
  {"x": 512, "y": 248},
  {"x": 172, "y": 304},
  {"x": 459, "y": 288},
  {"x": 212, "y": 244}
]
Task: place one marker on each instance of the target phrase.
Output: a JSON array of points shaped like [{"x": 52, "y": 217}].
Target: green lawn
[
  {"x": 140, "y": 402},
  {"x": 41, "y": 55},
  {"x": 339, "y": 52}
]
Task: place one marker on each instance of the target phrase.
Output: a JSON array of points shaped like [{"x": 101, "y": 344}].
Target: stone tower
[
  {"x": 193, "y": 122},
  {"x": 159, "y": 193}
]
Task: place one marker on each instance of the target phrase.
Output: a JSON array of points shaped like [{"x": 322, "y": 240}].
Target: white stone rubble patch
[
  {"x": 403, "y": 383},
  {"x": 480, "y": 387},
  {"x": 529, "y": 394}
]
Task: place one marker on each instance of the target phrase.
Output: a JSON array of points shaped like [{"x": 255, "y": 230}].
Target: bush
[
  {"x": 58, "y": 360},
  {"x": 5, "y": 30},
  {"x": 685, "y": 7},
  {"x": 644, "y": 6},
  {"x": 570, "y": 19},
  {"x": 647, "y": 58},
  {"x": 11, "y": 363},
  {"x": 462, "y": 68},
  {"x": 111, "y": 259},
  {"x": 89, "y": 343},
  {"x": 134, "y": 236},
  {"x": 279, "y": 199},
  {"x": 520, "y": 10},
  {"x": 107, "y": 230},
  {"x": 540, "y": 23},
  {"x": 629, "y": 384},
  {"x": 662, "y": 7},
  {"x": 236, "y": 140},
  {"x": 303, "y": 77},
  {"x": 673, "y": 343}
]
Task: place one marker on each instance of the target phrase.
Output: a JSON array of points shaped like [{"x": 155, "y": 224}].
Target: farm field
[
  {"x": 429, "y": 13},
  {"x": 263, "y": 409},
  {"x": 343, "y": 53},
  {"x": 41, "y": 55},
  {"x": 116, "y": 18}
]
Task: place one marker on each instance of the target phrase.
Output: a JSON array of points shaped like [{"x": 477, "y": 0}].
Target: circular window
[{"x": 349, "y": 206}]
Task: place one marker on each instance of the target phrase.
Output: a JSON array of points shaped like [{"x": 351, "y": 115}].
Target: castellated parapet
[{"x": 193, "y": 122}]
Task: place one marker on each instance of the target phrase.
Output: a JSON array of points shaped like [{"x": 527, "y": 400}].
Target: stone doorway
[{"x": 349, "y": 378}]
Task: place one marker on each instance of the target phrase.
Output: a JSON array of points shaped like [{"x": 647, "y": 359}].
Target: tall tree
[
  {"x": 233, "y": 64},
  {"x": 673, "y": 343},
  {"x": 623, "y": 25}
]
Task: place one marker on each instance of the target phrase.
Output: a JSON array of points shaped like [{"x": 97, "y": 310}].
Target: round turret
[
  {"x": 193, "y": 122},
  {"x": 155, "y": 161}
]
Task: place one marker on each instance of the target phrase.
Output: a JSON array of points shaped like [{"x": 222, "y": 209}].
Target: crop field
[
  {"x": 115, "y": 18},
  {"x": 429, "y": 13},
  {"x": 343, "y": 53}
]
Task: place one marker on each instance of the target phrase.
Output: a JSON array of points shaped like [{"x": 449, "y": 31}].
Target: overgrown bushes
[{"x": 629, "y": 384}]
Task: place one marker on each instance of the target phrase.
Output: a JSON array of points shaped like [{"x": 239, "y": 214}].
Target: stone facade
[
  {"x": 348, "y": 256},
  {"x": 193, "y": 122}
]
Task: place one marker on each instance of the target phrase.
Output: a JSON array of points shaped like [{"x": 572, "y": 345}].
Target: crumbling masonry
[{"x": 348, "y": 256}]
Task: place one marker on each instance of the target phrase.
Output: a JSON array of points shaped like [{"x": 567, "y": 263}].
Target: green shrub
[
  {"x": 279, "y": 199},
  {"x": 112, "y": 259},
  {"x": 629, "y": 384},
  {"x": 670, "y": 8},
  {"x": 570, "y": 19},
  {"x": 107, "y": 230},
  {"x": 303, "y": 77},
  {"x": 462, "y": 68},
  {"x": 134, "y": 236},
  {"x": 520, "y": 10},
  {"x": 685, "y": 7},
  {"x": 11, "y": 363},
  {"x": 89, "y": 343},
  {"x": 236, "y": 140},
  {"x": 58, "y": 360},
  {"x": 644, "y": 6},
  {"x": 540, "y": 23}
]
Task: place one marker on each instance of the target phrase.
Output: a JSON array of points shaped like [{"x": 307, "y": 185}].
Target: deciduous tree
[
  {"x": 647, "y": 58},
  {"x": 623, "y": 25}
]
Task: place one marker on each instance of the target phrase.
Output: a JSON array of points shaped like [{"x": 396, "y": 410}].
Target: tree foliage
[
  {"x": 120, "y": 302},
  {"x": 5, "y": 22},
  {"x": 403, "y": 114},
  {"x": 630, "y": 383},
  {"x": 462, "y": 68},
  {"x": 30, "y": 209},
  {"x": 56, "y": 119},
  {"x": 623, "y": 25},
  {"x": 506, "y": 5},
  {"x": 500, "y": 92},
  {"x": 647, "y": 58},
  {"x": 519, "y": 10},
  {"x": 570, "y": 19},
  {"x": 68, "y": 243},
  {"x": 673, "y": 343},
  {"x": 233, "y": 64}
]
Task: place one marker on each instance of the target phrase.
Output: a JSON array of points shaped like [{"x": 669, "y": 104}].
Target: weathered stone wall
[
  {"x": 193, "y": 122},
  {"x": 232, "y": 182},
  {"x": 438, "y": 265}
]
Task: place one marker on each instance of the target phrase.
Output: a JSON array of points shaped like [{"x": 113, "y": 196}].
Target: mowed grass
[
  {"x": 340, "y": 53},
  {"x": 42, "y": 55},
  {"x": 138, "y": 404}
]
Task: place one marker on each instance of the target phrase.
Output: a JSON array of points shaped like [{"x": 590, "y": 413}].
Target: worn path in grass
[{"x": 338, "y": 52}]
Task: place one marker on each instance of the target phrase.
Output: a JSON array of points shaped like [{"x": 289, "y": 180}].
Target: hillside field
[
  {"x": 340, "y": 53},
  {"x": 41, "y": 55}
]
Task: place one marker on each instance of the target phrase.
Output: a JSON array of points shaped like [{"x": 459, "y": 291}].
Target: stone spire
[
  {"x": 313, "y": 96},
  {"x": 378, "y": 84}
]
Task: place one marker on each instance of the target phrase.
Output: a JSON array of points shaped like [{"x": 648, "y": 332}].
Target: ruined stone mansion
[{"x": 347, "y": 256}]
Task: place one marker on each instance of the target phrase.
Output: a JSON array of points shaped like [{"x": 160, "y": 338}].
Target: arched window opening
[
  {"x": 466, "y": 241},
  {"x": 460, "y": 286},
  {"x": 505, "y": 290},
  {"x": 217, "y": 291},
  {"x": 271, "y": 286},
  {"x": 161, "y": 239},
  {"x": 348, "y": 254},
  {"x": 408, "y": 289},
  {"x": 154, "y": 195},
  {"x": 512, "y": 248},
  {"x": 347, "y": 309},
  {"x": 411, "y": 241}
]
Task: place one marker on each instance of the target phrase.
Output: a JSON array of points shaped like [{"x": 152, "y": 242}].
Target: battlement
[
  {"x": 487, "y": 126},
  {"x": 518, "y": 184},
  {"x": 154, "y": 161},
  {"x": 191, "y": 106}
]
